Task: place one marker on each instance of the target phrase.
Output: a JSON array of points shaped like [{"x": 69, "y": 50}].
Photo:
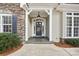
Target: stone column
[
  {"x": 50, "y": 25},
  {"x": 26, "y": 26}
]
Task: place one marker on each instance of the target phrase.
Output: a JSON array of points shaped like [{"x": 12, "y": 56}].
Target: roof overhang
[
  {"x": 68, "y": 7},
  {"x": 56, "y": 6},
  {"x": 42, "y": 5}
]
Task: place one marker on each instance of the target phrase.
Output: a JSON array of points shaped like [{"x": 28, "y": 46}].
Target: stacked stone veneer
[{"x": 15, "y": 8}]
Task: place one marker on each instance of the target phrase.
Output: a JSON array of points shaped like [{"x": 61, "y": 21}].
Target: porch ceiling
[{"x": 42, "y": 13}]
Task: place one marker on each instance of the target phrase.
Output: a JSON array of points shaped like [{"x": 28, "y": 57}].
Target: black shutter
[{"x": 14, "y": 23}]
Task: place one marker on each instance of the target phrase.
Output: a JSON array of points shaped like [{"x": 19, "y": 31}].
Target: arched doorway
[{"x": 38, "y": 27}]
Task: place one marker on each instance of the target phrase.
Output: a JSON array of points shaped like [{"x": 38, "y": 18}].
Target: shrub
[
  {"x": 9, "y": 40},
  {"x": 73, "y": 42}
]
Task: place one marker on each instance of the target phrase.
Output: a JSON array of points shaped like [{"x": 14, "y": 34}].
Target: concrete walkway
[
  {"x": 44, "y": 50},
  {"x": 72, "y": 51}
]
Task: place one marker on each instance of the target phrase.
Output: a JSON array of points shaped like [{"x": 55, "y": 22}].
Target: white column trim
[
  {"x": 72, "y": 25},
  {"x": 64, "y": 24},
  {"x": 29, "y": 11},
  {"x": 47, "y": 11},
  {"x": 24, "y": 6},
  {"x": 26, "y": 26},
  {"x": 50, "y": 25}
]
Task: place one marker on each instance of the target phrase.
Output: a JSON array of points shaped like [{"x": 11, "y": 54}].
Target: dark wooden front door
[{"x": 38, "y": 28}]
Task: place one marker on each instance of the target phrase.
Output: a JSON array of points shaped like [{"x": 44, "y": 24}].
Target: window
[
  {"x": 76, "y": 26},
  {"x": 34, "y": 29},
  {"x": 8, "y": 23},
  {"x": 71, "y": 24}
]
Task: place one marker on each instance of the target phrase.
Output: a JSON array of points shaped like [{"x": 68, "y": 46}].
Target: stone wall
[{"x": 17, "y": 10}]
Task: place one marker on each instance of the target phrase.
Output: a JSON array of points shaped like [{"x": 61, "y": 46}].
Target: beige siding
[{"x": 56, "y": 26}]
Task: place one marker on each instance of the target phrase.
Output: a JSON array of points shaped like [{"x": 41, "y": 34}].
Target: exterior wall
[
  {"x": 56, "y": 26},
  {"x": 61, "y": 24},
  {"x": 19, "y": 12}
]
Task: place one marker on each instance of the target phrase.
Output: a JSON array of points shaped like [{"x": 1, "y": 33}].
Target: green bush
[
  {"x": 9, "y": 40},
  {"x": 73, "y": 42}
]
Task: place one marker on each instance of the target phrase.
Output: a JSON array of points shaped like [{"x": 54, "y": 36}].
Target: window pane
[
  {"x": 3, "y": 17},
  {"x": 6, "y": 19},
  {"x": 69, "y": 31},
  {"x": 76, "y": 13},
  {"x": 69, "y": 21},
  {"x": 9, "y": 20},
  {"x": 69, "y": 13},
  {"x": 7, "y": 28},
  {"x": 43, "y": 29},
  {"x": 34, "y": 29},
  {"x": 4, "y": 28},
  {"x": 76, "y": 31},
  {"x": 76, "y": 21}
]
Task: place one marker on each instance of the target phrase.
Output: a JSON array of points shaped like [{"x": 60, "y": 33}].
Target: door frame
[{"x": 43, "y": 20}]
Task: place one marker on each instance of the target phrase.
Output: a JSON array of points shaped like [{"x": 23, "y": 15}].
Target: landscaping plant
[
  {"x": 73, "y": 42},
  {"x": 9, "y": 41}
]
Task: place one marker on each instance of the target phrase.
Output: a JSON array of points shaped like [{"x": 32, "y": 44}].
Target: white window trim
[
  {"x": 64, "y": 24},
  {"x": 1, "y": 23}
]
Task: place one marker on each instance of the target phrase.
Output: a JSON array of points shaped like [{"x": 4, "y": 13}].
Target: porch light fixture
[
  {"x": 38, "y": 15},
  {"x": 27, "y": 4}
]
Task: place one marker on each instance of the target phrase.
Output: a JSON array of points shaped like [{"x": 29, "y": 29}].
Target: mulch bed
[
  {"x": 9, "y": 51},
  {"x": 64, "y": 45}
]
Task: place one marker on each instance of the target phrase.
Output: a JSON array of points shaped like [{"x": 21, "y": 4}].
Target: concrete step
[{"x": 38, "y": 40}]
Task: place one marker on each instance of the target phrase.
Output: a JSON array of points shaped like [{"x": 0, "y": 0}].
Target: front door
[{"x": 38, "y": 28}]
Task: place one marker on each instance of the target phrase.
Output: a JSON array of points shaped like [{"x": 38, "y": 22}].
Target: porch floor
[{"x": 38, "y": 40}]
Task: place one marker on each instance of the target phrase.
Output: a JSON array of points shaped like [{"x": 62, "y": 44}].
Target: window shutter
[{"x": 14, "y": 23}]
